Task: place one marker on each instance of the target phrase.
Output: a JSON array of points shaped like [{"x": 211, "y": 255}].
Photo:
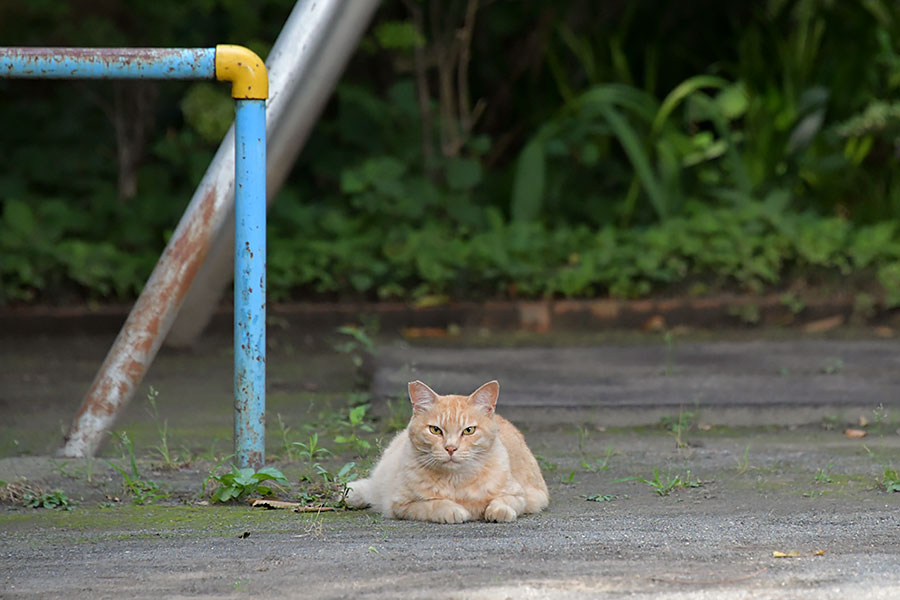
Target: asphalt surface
[{"x": 761, "y": 452}]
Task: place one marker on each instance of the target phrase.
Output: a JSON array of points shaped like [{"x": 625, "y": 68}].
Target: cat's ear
[
  {"x": 485, "y": 397},
  {"x": 421, "y": 396}
]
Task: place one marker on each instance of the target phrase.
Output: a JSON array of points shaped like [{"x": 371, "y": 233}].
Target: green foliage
[
  {"x": 590, "y": 159},
  {"x": 54, "y": 499},
  {"x": 241, "y": 483}
]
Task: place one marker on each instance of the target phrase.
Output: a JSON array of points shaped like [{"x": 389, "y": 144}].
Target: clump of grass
[
  {"x": 680, "y": 425},
  {"x": 143, "y": 491},
  {"x": 161, "y": 450},
  {"x": 663, "y": 485},
  {"x": 601, "y": 464}
]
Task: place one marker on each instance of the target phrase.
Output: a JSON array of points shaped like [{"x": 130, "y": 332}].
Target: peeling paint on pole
[
  {"x": 250, "y": 283},
  {"x": 108, "y": 63}
]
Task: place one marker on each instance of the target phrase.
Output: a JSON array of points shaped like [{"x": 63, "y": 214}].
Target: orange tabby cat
[{"x": 456, "y": 461}]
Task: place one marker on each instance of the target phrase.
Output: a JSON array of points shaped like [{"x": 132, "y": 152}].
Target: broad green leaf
[
  {"x": 19, "y": 217},
  {"x": 463, "y": 173},
  {"x": 270, "y": 473},
  {"x": 244, "y": 478},
  {"x": 399, "y": 35},
  {"x": 639, "y": 160},
  {"x": 528, "y": 185}
]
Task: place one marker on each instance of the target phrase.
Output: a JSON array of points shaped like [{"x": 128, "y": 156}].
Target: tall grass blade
[{"x": 637, "y": 154}]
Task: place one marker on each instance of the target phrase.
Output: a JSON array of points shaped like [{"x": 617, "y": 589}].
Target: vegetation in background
[{"x": 481, "y": 149}]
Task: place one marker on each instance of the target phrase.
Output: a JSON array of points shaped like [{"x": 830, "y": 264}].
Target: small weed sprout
[
  {"x": 311, "y": 452},
  {"x": 669, "y": 341},
  {"x": 358, "y": 343},
  {"x": 889, "y": 480},
  {"x": 330, "y": 489},
  {"x": 546, "y": 464},
  {"x": 824, "y": 475},
  {"x": 54, "y": 499},
  {"x": 663, "y": 485},
  {"x": 582, "y": 434},
  {"x": 600, "y": 498},
  {"x": 214, "y": 470},
  {"x": 355, "y": 423},
  {"x": 340, "y": 480},
  {"x": 680, "y": 426},
  {"x": 144, "y": 491},
  {"x": 287, "y": 447},
  {"x": 162, "y": 430},
  {"x": 744, "y": 463},
  {"x": 601, "y": 464},
  {"x": 880, "y": 418},
  {"x": 832, "y": 366}
]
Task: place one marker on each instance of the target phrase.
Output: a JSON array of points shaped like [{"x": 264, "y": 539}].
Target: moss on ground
[{"x": 93, "y": 523}]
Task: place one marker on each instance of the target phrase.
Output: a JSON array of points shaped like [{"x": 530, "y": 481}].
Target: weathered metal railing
[{"x": 153, "y": 313}]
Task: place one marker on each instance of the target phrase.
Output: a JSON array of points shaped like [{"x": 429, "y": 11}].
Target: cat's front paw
[
  {"x": 357, "y": 493},
  {"x": 450, "y": 512},
  {"x": 498, "y": 511}
]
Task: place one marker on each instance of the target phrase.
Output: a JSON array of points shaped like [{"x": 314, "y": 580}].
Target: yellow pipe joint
[{"x": 244, "y": 69}]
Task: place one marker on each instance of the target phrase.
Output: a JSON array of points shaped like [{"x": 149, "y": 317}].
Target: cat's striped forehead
[{"x": 453, "y": 412}]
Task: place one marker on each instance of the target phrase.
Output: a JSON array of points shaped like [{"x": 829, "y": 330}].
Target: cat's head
[{"x": 452, "y": 432}]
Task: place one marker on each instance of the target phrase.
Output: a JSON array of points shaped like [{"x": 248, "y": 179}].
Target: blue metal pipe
[
  {"x": 155, "y": 310},
  {"x": 250, "y": 282},
  {"x": 108, "y": 63}
]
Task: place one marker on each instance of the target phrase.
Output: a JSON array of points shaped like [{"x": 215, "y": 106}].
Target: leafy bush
[{"x": 544, "y": 152}]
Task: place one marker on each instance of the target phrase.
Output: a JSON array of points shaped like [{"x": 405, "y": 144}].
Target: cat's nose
[{"x": 450, "y": 449}]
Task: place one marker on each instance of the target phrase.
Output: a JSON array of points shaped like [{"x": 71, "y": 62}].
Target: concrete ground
[{"x": 677, "y": 470}]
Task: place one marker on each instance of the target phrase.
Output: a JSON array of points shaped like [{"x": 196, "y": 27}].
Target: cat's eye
[
  {"x": 469, "y": 430},
  {"x": 435, "y": 430}
]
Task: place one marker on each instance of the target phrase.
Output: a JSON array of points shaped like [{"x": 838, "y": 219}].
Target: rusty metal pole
[{"x": 155, "y": 310}]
